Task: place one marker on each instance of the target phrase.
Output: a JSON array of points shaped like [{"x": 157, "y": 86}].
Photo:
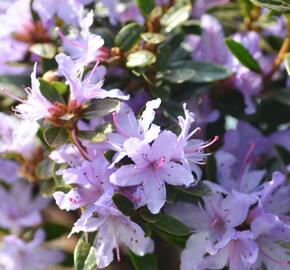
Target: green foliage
[
  {"x": 44, "y": 50},
  {"x": 243, "y": 55},
  {"x": 129, "y": 36},
  {"x": 50, "y": 92},
  {"x": 56, "y": 137},
  {"x": 140, "y": 59},
  {"x": 123, "y": 204},
  {"x": 146, "y": 262},
  {"x": 287, "y": 62},
  {"x": 277, "y": 5},
  {"x": 100, "y": 107},
  {"x": 44, "y": 169},
  {"x": 145, "y": 6}
]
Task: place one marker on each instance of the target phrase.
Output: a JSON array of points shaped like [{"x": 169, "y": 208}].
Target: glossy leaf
[
  {"x": 198, "y": 190},
  {"x": 54, "y": 231},
  {"x": 128, "y": 36},
  {"x": 81, "y": 254},
  {"x": 176, "y": 15},
  {"x": 153, "y": 38},
  {"x": 44, "y": 50},
  {"x": 146, "y": 262},
  {"x": 44, "y": 169},
  {"x": 170, "y": 225},
  {"x": 198, "y": 72},
  {"x": 277, "y": 5},
  {"x": 123, "y": 204},
  {"x": 100, "y": 108},
  {"x": 287, "y": 62},
  {"x": 145, "y": 6},
  {"x": 49, "y": 92},
  {"x": 243, "y": 55},
  {"x": 141, "y": 58},
  {"x": 56, "y": 137}
]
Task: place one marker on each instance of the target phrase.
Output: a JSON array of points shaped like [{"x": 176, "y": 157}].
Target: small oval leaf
[{"x": 141, "y": 58}]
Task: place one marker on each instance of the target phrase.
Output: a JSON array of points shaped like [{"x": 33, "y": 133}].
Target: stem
[
  {"x": 78, "y": 144},
  {"x": 280, "y": 57}
]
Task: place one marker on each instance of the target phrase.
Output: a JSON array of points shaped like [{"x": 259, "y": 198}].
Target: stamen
[
  {"x": 7, "y": 93},
  {"x": 193, "y": 132},
  {"x": 159, "y": 163},
  {"x": 201, "y": 147},
  {"x": 280, "y": 262},
  {"x": 65, "y": 39},
  {"x": 117, "y": 127},
  {"x": 216, "y": 138}
]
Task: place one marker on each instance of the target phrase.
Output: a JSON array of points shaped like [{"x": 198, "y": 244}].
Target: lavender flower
[
  {"x": 92, "y": 181},
  {"x": 17, "y": 254},
  {"x": 8, "y": 170},
  {"x": 17, "y": 136},
  {"x": 152, "y": 168},
  {"x": 114, "y": 229},
  {"x": 86, "y": 47},
  {"x": 214, "y": 224},
  {"x": 18, "y": 208},
  {"x": 90, "y": 87}
]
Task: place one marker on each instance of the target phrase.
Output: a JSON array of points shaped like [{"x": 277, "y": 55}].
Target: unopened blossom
[
  {"x": 114, "y": 229},
  {"x": 85, "y": 47},
  {"x": 190, "y": 152},
  {"x": 19, "y": 209},
  {"x": 8, "y": 171},
  {"x": 17, "y": 254},
  {"x": 128, "y": 126},
  {"x": 91, "y": 183},
  {"x": 17, "y": 135},
  {"x": 88, "y": 88},
  {"x": 152, "y": 168}
]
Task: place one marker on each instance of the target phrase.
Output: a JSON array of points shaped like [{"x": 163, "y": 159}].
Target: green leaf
[
  {"x": 56, "y": 137},
  {"x": 90, "y": 263},
  {"x": 211, "y": 168},
  {"x": 145, "y": 6},
  {"x": 128, "y": 36},
  {"x": 283, "y": 153},
  {"x": 44, "y": 50},
  {"x": 287, "y": 62},
  {"x": 100, "y": 108},
  {"x": 146, "y": 262},
  {"x": 44, "y": 169},
  {"x": 47, "y": 187},
  {"x": 49, "y": 92},
  {"x": 171, "y": 225},
  {"x": 123, "y": 204},
  {"x": 277, "y": 5},
  {"x": 153, "y": 38},
  {"x": 243, "y": 55},
  {"x": 198, "y": 190},
  {"x": 91, "y": 136},
  {"x": 81, "y": 254},
  {"x": 176, "y": 15},
  {"x": 54, "y": 231},
  {"x": 198, "y": 72},
  {"x": 141, "y": 58},
  {"x": 281, "y": 95},
  {"x": 60, "y": 87}
]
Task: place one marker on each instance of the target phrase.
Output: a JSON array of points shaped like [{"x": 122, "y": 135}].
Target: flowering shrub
[{"x": 146, "y": 134}]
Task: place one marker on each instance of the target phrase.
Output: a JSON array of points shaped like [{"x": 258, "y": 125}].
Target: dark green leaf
[
  {"x": 123, "y": 204},
  {"x": 146, "y": 262},
  {"x": 171, "y": 225},
  {"x": 283, "y": 153},
  {"x": 145, "y": 6},
  {"x": 56, "y": 137},
  {"x": 49, "y": 92},
  {"x": 92, "y": 136},
  {"x": 128, "y": 36},
  {"x": 243, "y": 55},
  {"x": 179, "y": 241},
  {"x": 199, "y": 190},
  {"x": 211, "y": 168},
  {"x": 54, "y": 231},
  {"x": 277, "y": 5},
  {"x": 141, "y": 58},
  {"x": 44, "y": 169},
  {"x": 281, "y": 95},
  {"x": 198, "y": 72},
  {"x": 44, "y": 50},
  {"x": 100, "y": 108},
  {"x": 47, "y": 187}
]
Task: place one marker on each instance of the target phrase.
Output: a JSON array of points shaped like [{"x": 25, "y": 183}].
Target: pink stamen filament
[
  {"x": 159, "y": 163},
  {"x": 246, "y": 161},
  {"x": 117, "y": 126},
  {"x": 196, "y": 149},
  {"x": 7, "y": 93},
  {"x": 274, "y": 260},
  {"x": 193, "y": 132}
]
